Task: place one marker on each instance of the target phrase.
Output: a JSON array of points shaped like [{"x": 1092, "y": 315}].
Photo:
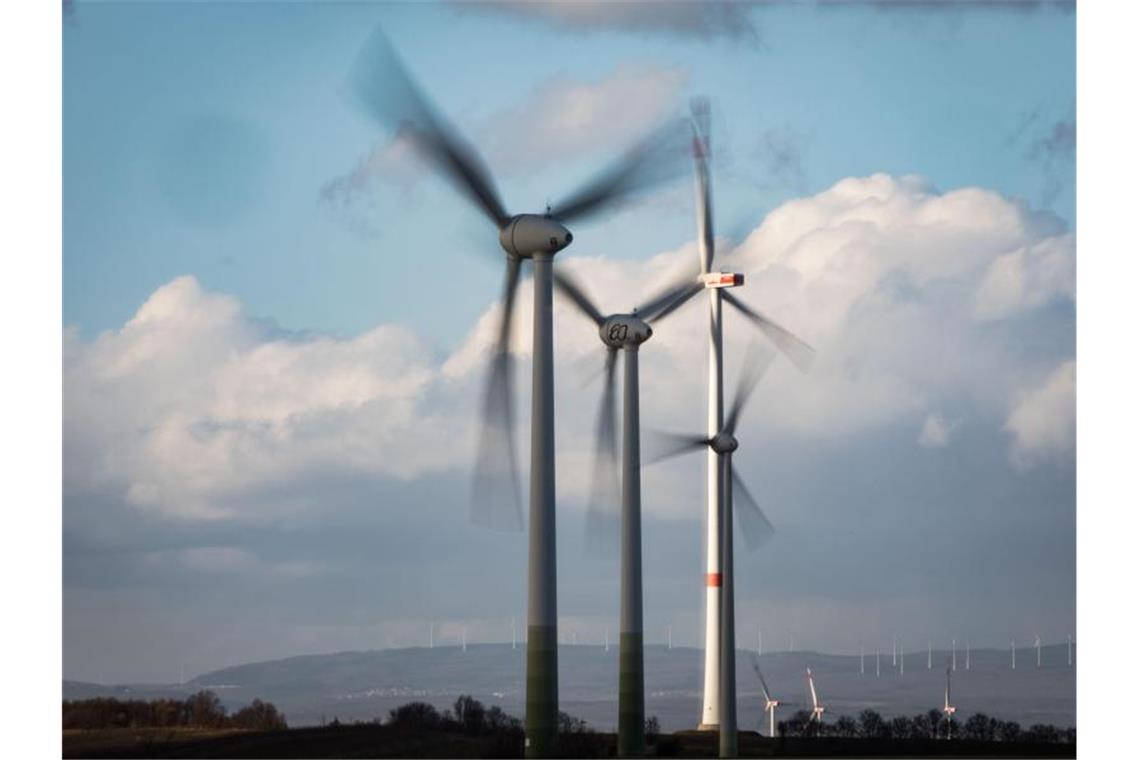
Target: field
[{"x": 371, "y": 740}]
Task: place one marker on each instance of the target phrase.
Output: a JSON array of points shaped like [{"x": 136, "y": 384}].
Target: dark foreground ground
[{"x": 389, "y": 741}]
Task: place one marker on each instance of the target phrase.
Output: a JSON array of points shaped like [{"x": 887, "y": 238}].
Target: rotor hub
[
  {"x": 624, "y": 331},
  {"x": 724, "y": 443}
]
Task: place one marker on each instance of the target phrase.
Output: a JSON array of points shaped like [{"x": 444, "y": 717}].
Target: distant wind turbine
[
  {"x": 953, "y": 654},
  {"x": 1037, "y": 643},
  {"x": 770, "y": 704},
  {"x": 816, "y": 707},
  {"x": 929, "y": 650},
  {"x": 876, "y": 663},
  {"x": 948, "y": 709},
  {"x": 1012, "y": 655},
  {"x": 1070, "y": 650},
  {"x": 861, "y": 653},
  {"x": 902, "y": 661},
  {"x": 967, "y": 654},
  {"x": 894, "y": 652}
]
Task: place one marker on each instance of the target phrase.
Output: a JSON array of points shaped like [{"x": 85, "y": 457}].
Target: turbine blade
[
  {"x": 763, "y": 685},
  {"x": 389, "y": 95},
  {"x": 799, "y": 353},
  {"x": 700, "y": 127},
  {"x": 753, "y": 522},
  {"x": 605, "y": 489},
  {"x": 657, "y": 158},
  {"x": 572, "y": 289},
  {"x": 669, "y": 298},
  {"x": 669, "y": 445},
  {"x": 495, "y": 499},
  {"x": 755, "y": 365}
]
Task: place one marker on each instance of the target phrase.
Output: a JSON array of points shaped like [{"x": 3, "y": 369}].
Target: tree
[
  {"x": 846, "y": 727},
  {"x": 1040, "y": 732},
  {"x": 204, "y": 709},
  {"x": 262, "y": 716},
  {"x": 980, "y": 727},
  {"x": 902, "y": 727},
  {"x": 419, "y": 715},
  {"x": 934, "y": 719},
  {"x": 652, "y": 726},
  {"x": 470, "y": 714},
  {"x": 872, "y": 725},
  {"x": 1009, "y": 731}
]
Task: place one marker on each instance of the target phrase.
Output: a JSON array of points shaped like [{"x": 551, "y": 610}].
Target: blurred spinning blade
[{"x": 495, "y": 499}]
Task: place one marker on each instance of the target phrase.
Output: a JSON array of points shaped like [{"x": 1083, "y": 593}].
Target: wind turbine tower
[
  {"x": 876, "y": 663},
  {"x": 929, "y": 651},
  {"x": 902, "y": 661},
  {"x": 1012, "y": 655},
  {"x": 862, "y": 670},
  {"x": 894, "y": 651},
  {"x": 1070, "y": 650},
  {"x": 967, "y": 654},
  {"x": 1037, "y": 644},
  {"x": 953, "y": 654}
]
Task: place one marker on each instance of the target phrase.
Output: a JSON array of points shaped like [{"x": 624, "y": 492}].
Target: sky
[{"x": 277, "y": 321}]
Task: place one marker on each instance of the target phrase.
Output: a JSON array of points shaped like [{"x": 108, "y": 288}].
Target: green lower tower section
[
  {"x": 541, "y": 690},
  {"x": 631, "y": 696}
]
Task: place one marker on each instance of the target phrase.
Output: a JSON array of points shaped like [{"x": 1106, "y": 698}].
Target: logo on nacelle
[{"x": 624, "y": 331}]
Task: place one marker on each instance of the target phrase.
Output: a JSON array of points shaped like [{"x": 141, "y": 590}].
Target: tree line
[
  {"x": 928, "y": 725},
  {"x": 201, "y": 710}
]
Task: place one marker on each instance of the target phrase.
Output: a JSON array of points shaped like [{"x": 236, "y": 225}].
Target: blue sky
[
  {"x": 276, "y": 322},
  {"x": 197, "y": 137}
]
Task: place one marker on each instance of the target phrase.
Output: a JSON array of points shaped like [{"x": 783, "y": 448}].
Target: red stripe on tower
[{"x": 712, "y": 579}]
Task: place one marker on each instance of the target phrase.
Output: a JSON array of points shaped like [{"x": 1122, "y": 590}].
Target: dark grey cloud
[{"x": 709, "y": 20}]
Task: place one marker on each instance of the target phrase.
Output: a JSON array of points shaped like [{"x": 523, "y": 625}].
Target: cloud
[
  {"x": 708, "y": 20},
  {"x": 1027, "y": 278},
  {"x": 782, "y": 153},
  {"x": 560, "y": 118},
  {"x": 936, "y": 431},
  {"x": 1044, "y": 420},
  {"x": 914, "y": 300}
]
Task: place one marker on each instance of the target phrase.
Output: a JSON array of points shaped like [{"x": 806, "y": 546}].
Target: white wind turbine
[
  {"x": 967, "y": 654},
  {"x": 929, "y": 651},
  {"x": 719, "y": 636},
  {"x": 1012, "y": 655},
  {"x": 770, "y": 704},
  {"x": 862, "y": 670},
  {"x": 816, "y": 708},
  {"x": 1037, "y": 644},
  {"x": 948, "y": 709},
  {"x": 953, "y": 654}
]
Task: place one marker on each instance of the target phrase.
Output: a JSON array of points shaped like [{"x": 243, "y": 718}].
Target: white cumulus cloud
[
  {"x": 1044, "y": 421},
  {"x": 194, "y": 409}
]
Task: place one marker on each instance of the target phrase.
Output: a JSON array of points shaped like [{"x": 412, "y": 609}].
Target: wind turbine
[
  {"x": 753, "y": 524},
  {"x": 1037, "y": 644},
  {"x": 715, "y": 666},
  {"x": 862, "y": 670},
  {"x": 1012, "y": 655},
  {"x": 928, "y": 653},
  {"x": 625, "y": 333},
  {"x": 948, "y": 709},
  {"x": 816, "y": 707},
  {"x": 902, "y": 662},
  {"x": 1070, "y": 650},
  {"x": 894, "y": 651},
  {"x": 876, "y": 663},
  {"x": 389, "y": 95},
  {"x": 967, "y": 654},
  {"x": 770, "y": 704},
  {"x": 953, "y": 654}
]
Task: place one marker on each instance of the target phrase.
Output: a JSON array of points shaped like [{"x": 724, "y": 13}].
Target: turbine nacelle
[
  {"x": 624, "y": 331},
  {"x": 525, "y": 235}
]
